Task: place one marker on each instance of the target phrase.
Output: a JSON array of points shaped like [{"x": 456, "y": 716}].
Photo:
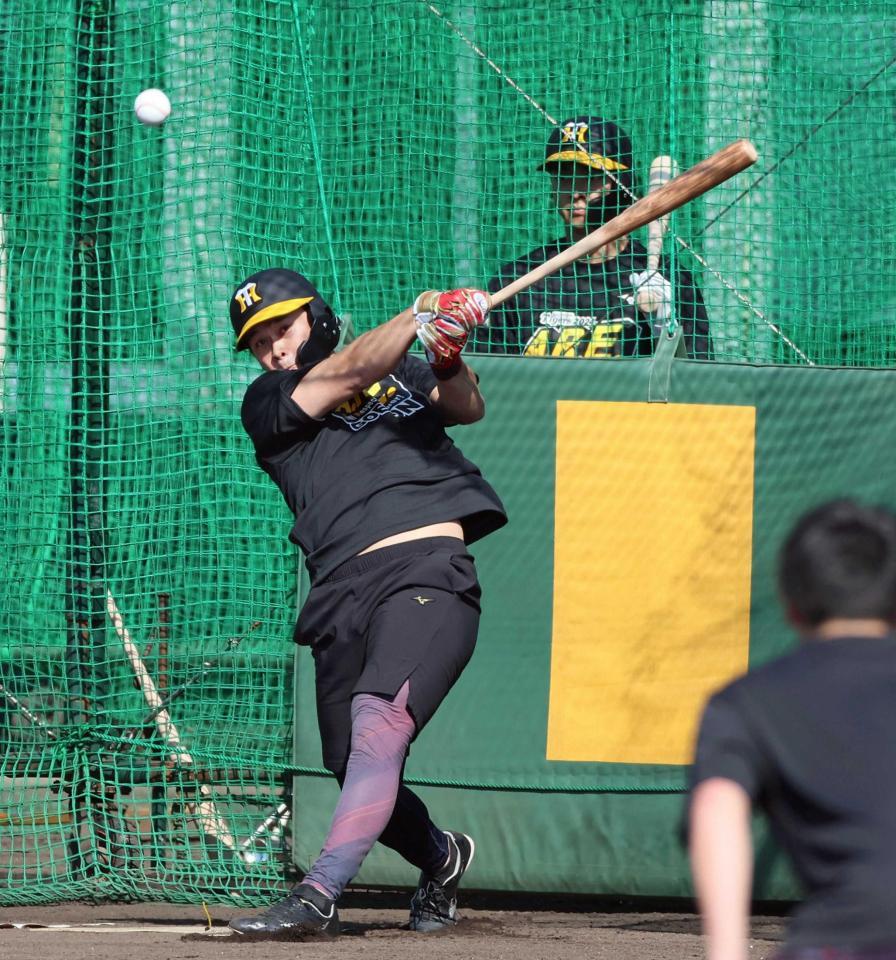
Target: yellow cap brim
[
  {"x": 586, "y": 159},
  {"x": 268, "y": 313}
]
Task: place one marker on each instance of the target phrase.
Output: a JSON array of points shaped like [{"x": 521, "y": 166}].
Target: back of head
[{"x": 839, "y": 561}]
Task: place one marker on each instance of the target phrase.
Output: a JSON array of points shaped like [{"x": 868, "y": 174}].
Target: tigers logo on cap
[
  {"x": 246, "y": 296},
  {"x": 591, "y": 141}
]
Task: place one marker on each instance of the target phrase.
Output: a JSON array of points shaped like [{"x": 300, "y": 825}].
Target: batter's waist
[{"x": 376, "y": 558}]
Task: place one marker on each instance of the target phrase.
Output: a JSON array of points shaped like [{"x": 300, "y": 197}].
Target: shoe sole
[{"x": 295, "y": 935}]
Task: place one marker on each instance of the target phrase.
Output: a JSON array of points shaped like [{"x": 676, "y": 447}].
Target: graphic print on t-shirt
[
  {"x": 388, "y": 396},
  {"x": 562, "y": 333}
]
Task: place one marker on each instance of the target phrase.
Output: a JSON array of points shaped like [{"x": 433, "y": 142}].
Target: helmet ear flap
[{"x": 324, "y": 335}]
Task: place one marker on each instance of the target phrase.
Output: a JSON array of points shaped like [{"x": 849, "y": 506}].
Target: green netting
[{"x": 382, "y": 148}]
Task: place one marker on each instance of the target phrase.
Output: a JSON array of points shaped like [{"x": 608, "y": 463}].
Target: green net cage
[{"x": 146, "y": 668}]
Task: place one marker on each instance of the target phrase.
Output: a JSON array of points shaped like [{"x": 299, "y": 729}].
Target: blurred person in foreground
[{"x": 809, "y": 739}]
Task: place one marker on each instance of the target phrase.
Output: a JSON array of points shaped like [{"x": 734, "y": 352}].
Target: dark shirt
[
  {"x": 379, "y": 464},
  {"x": 811, "y": 737},
  {"x": 587, "y": 309}
]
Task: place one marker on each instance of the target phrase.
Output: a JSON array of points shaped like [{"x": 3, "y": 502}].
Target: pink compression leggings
[{"x": 382, "y": 731}]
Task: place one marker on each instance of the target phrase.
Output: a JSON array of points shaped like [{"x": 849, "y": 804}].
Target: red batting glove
[
  {"x": 442, "y": 348},
  {"x": 447, "y": 363},
  {"x": 440, "y": 338},
  {"x": 465, "y": 306},
  {"x": 443, "y": 337}
]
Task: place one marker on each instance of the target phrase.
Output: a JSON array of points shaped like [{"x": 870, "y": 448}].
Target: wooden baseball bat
[
  {"x": 206, "y": 811},
  {"x": 662, "y": 170},
  {"x": 705, "y": 175}
]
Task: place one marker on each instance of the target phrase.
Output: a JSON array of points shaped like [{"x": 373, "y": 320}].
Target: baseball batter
[{"x": 385, "y": 505}]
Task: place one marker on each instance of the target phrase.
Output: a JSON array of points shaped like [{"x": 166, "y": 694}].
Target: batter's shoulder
[
  {"x": 259, "y": 390},
  {"x": 267, "y": 408}
]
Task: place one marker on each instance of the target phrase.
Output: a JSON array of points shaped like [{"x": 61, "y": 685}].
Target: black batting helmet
[{"x": 276, "y": 292}]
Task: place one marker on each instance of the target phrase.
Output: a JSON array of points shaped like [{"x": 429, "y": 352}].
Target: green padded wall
[{"x": 581, "y": 826}]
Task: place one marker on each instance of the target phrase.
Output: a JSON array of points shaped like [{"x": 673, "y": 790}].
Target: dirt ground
[{"x": 491, "y": 928}]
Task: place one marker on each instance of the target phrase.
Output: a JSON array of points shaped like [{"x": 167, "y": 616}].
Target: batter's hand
[
  {"x": 440, "y": 338},
  {"x": 447, "y": 363},
  {"x": 464, "y": 308}
]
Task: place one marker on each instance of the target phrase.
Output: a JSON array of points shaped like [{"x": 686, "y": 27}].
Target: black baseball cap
[
  {"x": 591, "y": 141},
  {"x": 265, "y": 295}
]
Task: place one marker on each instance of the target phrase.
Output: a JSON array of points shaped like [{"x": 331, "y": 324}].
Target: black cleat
[
  {"x": 434, "y": 905},
  {"x": 304, "y": 914}
]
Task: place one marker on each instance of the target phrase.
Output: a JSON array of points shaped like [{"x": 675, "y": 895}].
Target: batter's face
[
  {"x": 575, "y": 186},
  {"x": 275, "y": 344}
]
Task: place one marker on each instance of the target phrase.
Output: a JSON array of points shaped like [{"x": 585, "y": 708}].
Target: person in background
[{"x": 588, "y": 309}]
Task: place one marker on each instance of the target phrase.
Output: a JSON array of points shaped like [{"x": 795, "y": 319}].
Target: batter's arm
[
  {"x": 459, "y": 399},
  {"x": 346, "y": 373}
]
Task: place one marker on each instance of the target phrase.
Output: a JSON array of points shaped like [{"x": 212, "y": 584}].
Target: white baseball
[{"x": 152, "y": 107}]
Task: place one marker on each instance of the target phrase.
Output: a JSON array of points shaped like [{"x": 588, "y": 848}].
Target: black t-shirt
[
  {"x": 379, "y": 464},
  {"x": 811, "y": 737},
  {"x": 587, "y": 309}
]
